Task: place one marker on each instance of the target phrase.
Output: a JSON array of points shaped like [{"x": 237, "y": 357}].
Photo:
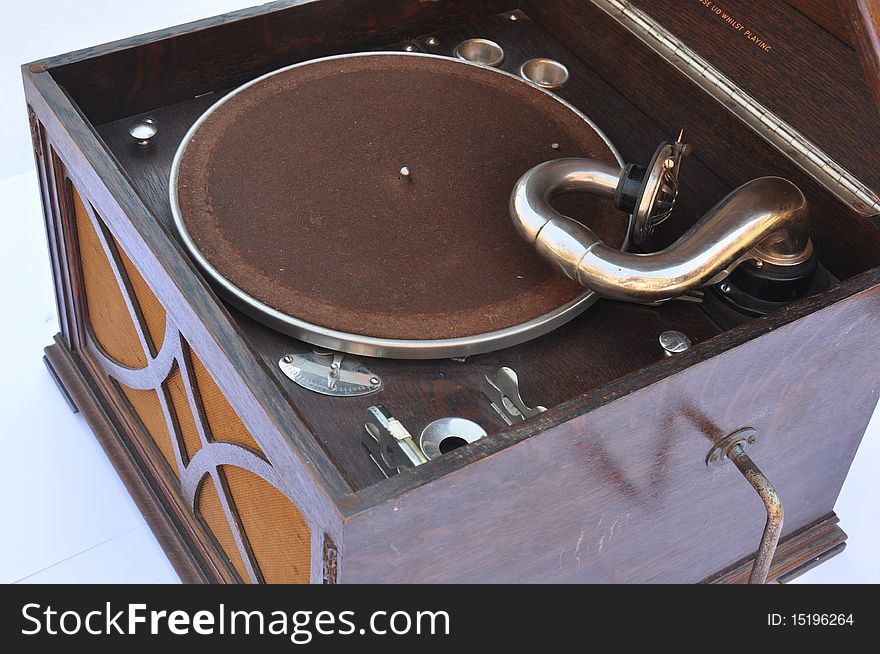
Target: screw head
[
  {"x": 405, "y": 171},
  {"x": 713, "y": 458},
  {"x": 514, "y": 17},
  {"x": 752, "y": 440},
  {"x": 375, "y": 381},
  {"x": 433, "y": 41},
  {"x": 287, "y": 358},
  {"x": 725, "y": 287},
  {"x": 410, "y": 48},
  {"x": 759, "y": 263},
  {"x": 674, "y": 342}
]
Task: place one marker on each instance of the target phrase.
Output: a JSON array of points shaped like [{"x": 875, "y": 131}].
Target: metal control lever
[
  {"x": 733, "y": 448},
  {"x": 503, "y": 392},
  {"x": 393, "y": 449},
  {"x": 388, "y": 442}
]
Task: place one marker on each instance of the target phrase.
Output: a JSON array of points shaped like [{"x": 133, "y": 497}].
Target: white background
[{"x": 66, "y": 515}]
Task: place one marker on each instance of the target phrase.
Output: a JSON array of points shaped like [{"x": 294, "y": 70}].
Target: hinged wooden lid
[
  {"x": 794, "y": 70},
  {"x": 863, "y": 17}
]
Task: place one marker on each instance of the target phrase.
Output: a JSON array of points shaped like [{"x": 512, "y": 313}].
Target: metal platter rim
[{"x": 359, "y": 344}]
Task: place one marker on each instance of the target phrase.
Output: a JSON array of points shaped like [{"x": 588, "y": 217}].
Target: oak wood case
[{"x": 610, "y": 484}]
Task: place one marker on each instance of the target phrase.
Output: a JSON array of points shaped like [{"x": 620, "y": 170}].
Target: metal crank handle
[{"x": 733, "y": 448}]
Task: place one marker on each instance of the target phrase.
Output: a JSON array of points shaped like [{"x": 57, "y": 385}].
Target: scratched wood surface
[{"x": 623, "y": 493}]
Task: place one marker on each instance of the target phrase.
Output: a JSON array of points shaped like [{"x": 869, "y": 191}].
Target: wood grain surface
[
  {"x": 623, "y": 493},
  {"x": 149, "y": 71},
  {"x": 863, "y": 20},
  {"x": 610, "y": 484},
  {"x": 807, "y": 77},
  {"x": 827, "y": 15},
  {"x": 722, "y": 143},
  {"x": 620, "y": 337}
]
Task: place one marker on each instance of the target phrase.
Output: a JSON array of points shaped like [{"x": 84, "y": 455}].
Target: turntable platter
[{"x": 360, "y": 203}]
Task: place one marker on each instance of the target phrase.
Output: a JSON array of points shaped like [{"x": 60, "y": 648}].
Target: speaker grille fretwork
[{"x": 223, "y": 473}]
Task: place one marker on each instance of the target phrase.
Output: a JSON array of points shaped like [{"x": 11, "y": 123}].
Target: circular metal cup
[
  {"x": 444, "y": 435},
  {"x": 546, "y": 73},
  {"x": 480, "y": 51},
  {"x": 143, "y": 130}
]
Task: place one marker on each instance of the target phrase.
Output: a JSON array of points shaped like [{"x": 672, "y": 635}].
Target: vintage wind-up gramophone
[{"x": 373, "y": 291}]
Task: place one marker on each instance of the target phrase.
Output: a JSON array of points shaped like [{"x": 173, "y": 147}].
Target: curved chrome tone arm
[{"x": 764, "y": 218}]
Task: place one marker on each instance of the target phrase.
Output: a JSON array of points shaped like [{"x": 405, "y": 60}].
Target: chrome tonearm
[{"x": 764, "y": 220}]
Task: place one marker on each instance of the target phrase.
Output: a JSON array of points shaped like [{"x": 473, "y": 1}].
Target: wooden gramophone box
[{"x": 718, "y": 458}]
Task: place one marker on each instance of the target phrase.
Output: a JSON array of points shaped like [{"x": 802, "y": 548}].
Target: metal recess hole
[
  {"x": 447, "y": 434},
  {"x": 480, "y": 51},
  {"x": 546, "y": 73},
  {"x": 451, "y": 443}
]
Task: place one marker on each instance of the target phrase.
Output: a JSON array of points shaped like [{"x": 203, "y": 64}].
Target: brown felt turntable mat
[{"x": 292, "y": 190}]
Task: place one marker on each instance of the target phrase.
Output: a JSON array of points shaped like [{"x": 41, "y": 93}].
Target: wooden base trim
[
  {"x": 812, "y": 563},
  {"x": 59, "y": 384},
  {"x": 75, "y": 381},
  {"x": 795, "y": 555}
]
